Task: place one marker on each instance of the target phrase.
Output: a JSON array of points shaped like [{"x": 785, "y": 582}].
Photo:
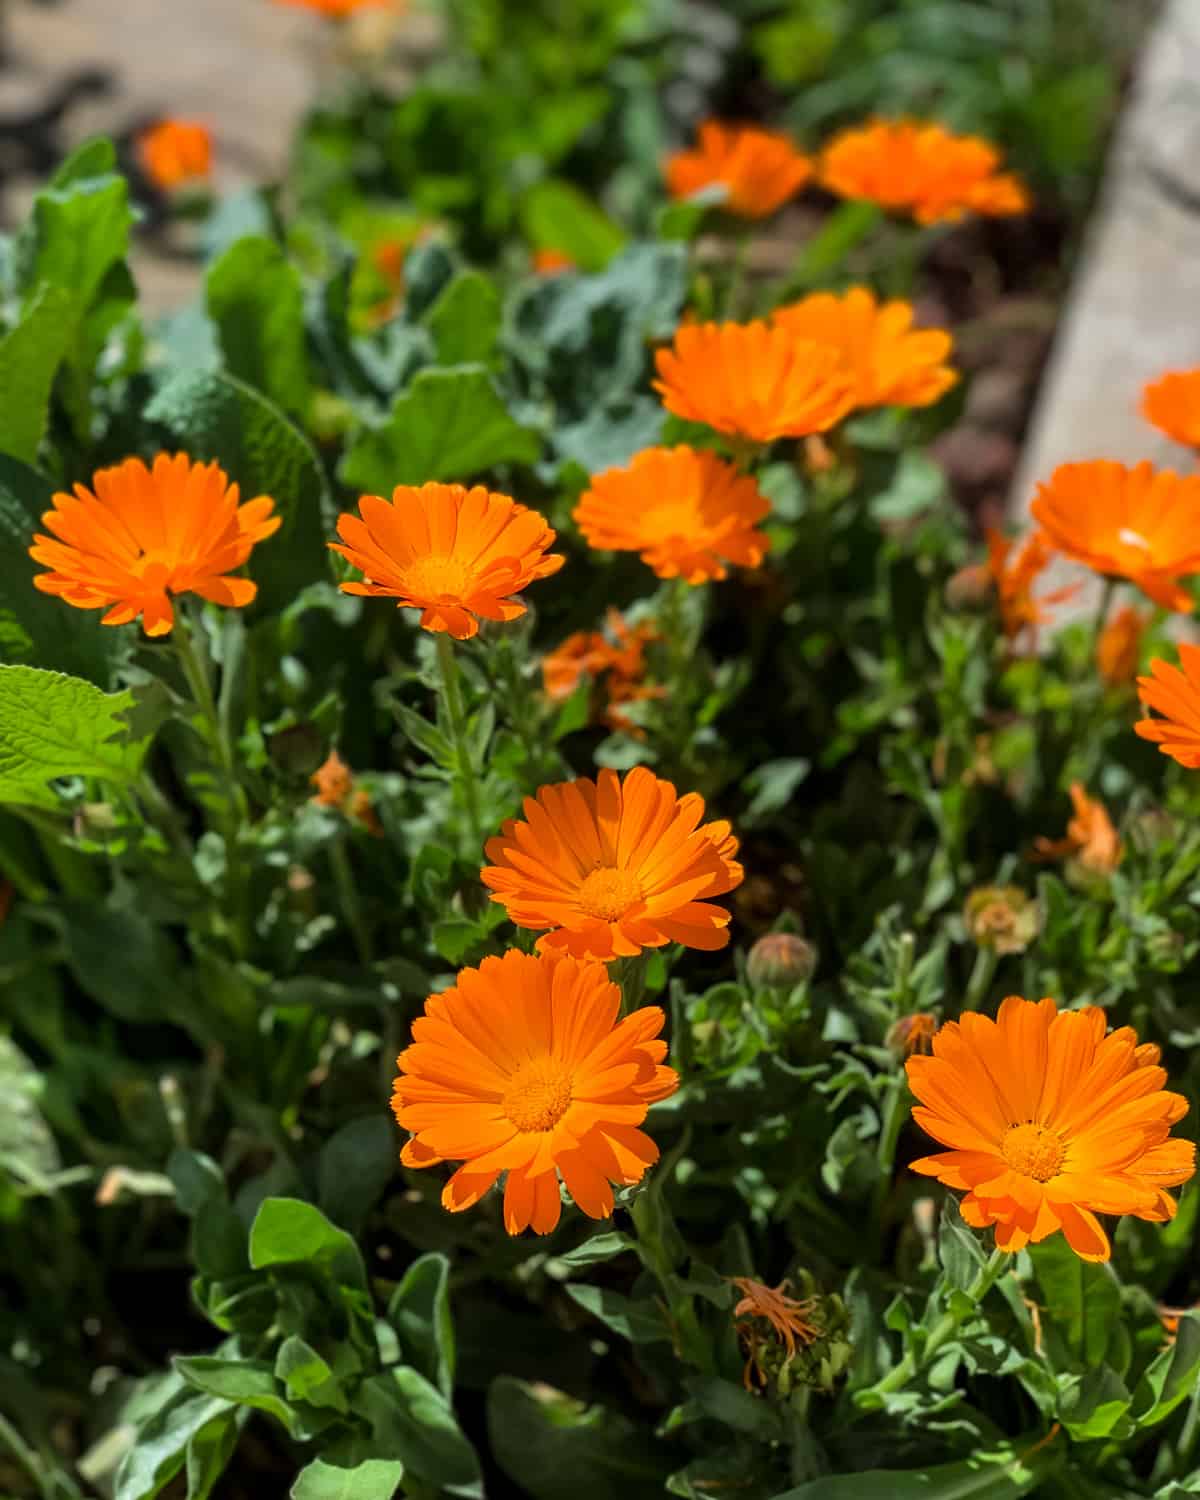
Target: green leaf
[
  {"x": 599, "y": 1247},
  {"x": 1083, "y": 1301},
  {"x": 419, "y": 1311},
  {"x": 354, "y": 1167},
  {"x": 160, "y": 1448},
  {"x": 448, "y": 424},
  {"x": 556, "y": 1448},
  {"x": 640, "y": 1322},
  {"x": 119, "y": 957},
  {"x": 215, "y": 417},
  {"x": 958, "y": 1249},
  {"x": 52, "y": 725},
  {"x": 30, "y": 355},
  {"x": 1170, "y": 1378},
  {"x": 246, "y": 1382},
  {"x": 465, "y": 320},
  {"x": 219, "y": 1246},
  {"x": 255, "y": 299},
  {"x": 1094, "y": 1405},
  {"x": 306, "y": 1376},
  {"x": 288, "y": 1231},
  {"x": 412, "y": 1419},
  {"x": 27, "y": 1147},
  {"x": 373, "y": 1479},
  {"x": 78, "y": 230},
  {"x": 208, "y": 1454},
  {"x": 1005, "y": 1473},
  {"x": 557, "y": 216}
]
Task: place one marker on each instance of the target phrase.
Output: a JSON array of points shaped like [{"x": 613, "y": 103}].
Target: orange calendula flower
[
  {"x": 336, "y": 787},
  {"x": 1175, "y": 693},
  {"x": 523, "y": 1067},
  {"x": 613, "y": 867},
  {"x": 686, "y": 511},
  {"x": 892, "y": 364},
  {"x": 618, "y": 664},
  {"x": 759, "y": 169},
  {"x": 790, "y": 1320},
  {"x": 1142, "y": 524},
  {"x": 1013, "y": 567},
  {"x": 548, "y": 261},
  {"x": 1172, "y": 404},
  {"x": 1119, "y": 646},
  {"x": 176, "y": 151},
  {"x": 143, "y": 534},
  {"x": 338, "y": 10},
  {"x": 753, "y": 381},
  {"x": 1091, "y": 839},
  {"x": 452, "y": 553},
  {"x": 1049, "y": 1123},
  {"x": 908, "y": 167}
]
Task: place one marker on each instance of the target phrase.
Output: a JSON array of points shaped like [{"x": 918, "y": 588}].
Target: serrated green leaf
[
  {"x": 448, "y": 424},
  {"x": 52, "y": 725},
  {"x": 256, "y": 302}
]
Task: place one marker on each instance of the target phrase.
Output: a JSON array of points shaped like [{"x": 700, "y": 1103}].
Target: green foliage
[{"x": 256, "y": 301}]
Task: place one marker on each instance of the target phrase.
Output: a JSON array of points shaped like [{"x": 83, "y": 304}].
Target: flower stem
[
  {"x": 347, "y": 889},
  {"x": 456, "y": 717},
  {"x": 980, "y": 982},
  {"x": 945, "y": 1328},
  {"x": 892, "y": 1122},
  {"x": 1097, "y": 630}
]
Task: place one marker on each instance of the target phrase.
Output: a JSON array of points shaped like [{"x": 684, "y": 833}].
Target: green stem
[
  {"x": 945, "y": 1328},
  {"x": 162, "y": 814},
  {"x": 456, "y": 717},
  {"x": 737, "y": 274},
  {"x": 894, "y": 1115},
  {"x": 347, "y": 889},
  {"x": 1097, "y": 630},
  {"x": 30, "y": 1461},
  {"x": 980, "y": 982}
]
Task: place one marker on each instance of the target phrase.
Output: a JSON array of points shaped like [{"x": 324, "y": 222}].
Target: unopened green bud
[{"x": 780, "y": 960}]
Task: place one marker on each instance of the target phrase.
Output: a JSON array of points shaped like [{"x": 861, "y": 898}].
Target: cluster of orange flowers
[
  {"x": 615, "y": 662},
  {"x": 905, "y": 166}
]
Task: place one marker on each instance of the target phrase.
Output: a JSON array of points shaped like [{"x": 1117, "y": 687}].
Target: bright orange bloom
[
  {"x": 789, "y": 1320},
  {"x": 176, "y": 151},
  {"x": 753, "y": 381},
  {"x": 1091, "y": 838},
  {"x": 1119, "y": 646},
  {"x": 1172, "y": 404},
  {"x": 1049, "y": 1122},
  {"x": 759, "y": 169},
  {"x": 450, "y": 552},
  {"x": 1142, "y": 524},
  {"x": 145, "y": 534},
  {"x": 1013, "y": 567},
  {"x": 523, "y": 1067},
  {"x": 548, "y": 261},
  {"x": 336, "y": 787},
  {"x": 619, "y": 664},
  {"x": 892, "y": 363},
  {"x": 612, "y": 868},
  {"x": 339, "y": 9},
  {"x": 686, "y": 511},
  {"x": 1175, "y": 693},
  {"x": 923, "y": 170}
]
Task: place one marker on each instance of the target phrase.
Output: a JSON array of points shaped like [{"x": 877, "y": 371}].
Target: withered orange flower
[
  {"x": 1013, "y": 567},
  {"x": 548, "y": 261},
  {"x": 892, "y": 363},
  {"x": 175, "y": 151},
  {"x": 912, "y": 1034},
  {"x": 1175, "y": 693},
  {"x": 336, "y": 787},
  {"x": 1172, "y": 404},
  {"x": 1119, "y": 647},
  {"x": 1091, "y": 839},
  {"x": 790, "y": 1321},
  {"x": 1141, "y": 523},
  {"x": 452, "y": 553},
  {"x": 610, "y": 868},
  {"x": 617, "y": 663},
  {"x": 753, "y": 381},
  {"x": 759, "y": 169},
  {"x": 1049, "y": 1123},
  {"x": 143, "y": 534},
  {"x": 523, "y": 1067},
  {"x": 686, "y": 511},
  {"x": 924, "y": 170}
]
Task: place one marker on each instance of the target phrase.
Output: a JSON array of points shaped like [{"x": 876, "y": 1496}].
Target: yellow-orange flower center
[
  {"x": 1033, "y": 1150},
  {"x": 436, "y": 577},
  {"x": 538, "y": 1095},
  {"x": 608, "y": 894}
]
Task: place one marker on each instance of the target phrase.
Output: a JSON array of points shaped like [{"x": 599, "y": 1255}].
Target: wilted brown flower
[{"x": 1002, "y": 918}]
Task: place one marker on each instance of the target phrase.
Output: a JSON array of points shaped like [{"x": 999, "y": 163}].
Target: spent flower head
[{"x": 1002, "y": 918}]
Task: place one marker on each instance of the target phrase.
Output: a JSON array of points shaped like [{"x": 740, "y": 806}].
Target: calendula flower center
[
  {"x": 437, "y": 577},
  {"x": 538, "y": 1095},
  {"x": 608, "y": 894},
  {"x": 1033, "y": 1150}
]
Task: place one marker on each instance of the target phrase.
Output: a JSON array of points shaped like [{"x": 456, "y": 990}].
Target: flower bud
[
  {"x": 970, "y": 588},
  {"x": 780, "y": 960},
  {"x": 1002, "y": 918},
  {"x": 912, "y": 1034}
]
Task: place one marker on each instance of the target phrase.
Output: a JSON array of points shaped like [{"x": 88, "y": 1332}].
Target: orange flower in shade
[
  {"x": 1142, "y": 524},
  {"x": 686, "y": 511},
  {"x": 452, "y": 553},
  {"x": 789, "y": 1320},
  {"x": 619, "y": 664},
  {"x": 612, "y": 868},
  {"x": 1172, "y": 404},
  {"x": 1175, "y": 693},
  {"x": 892, "y": 364},
  {"x": 523, "y": 1067},
  {"x": 142, "y": 534},
  {"x": 1013, "y": 567},
  {"x": 1049, "y": 1122},
  {"x": 548, "y": 262},
  {"x": 753, "y": 381},
  {"x": 335, "y": 786},
  {"x": 174, "y": 152},
  {"x": 1091, "y": 839},
  {"x": 923, "y": 170},
  {"x": 759, "y": 169},
  {"x": 1119, "y": 648}
]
